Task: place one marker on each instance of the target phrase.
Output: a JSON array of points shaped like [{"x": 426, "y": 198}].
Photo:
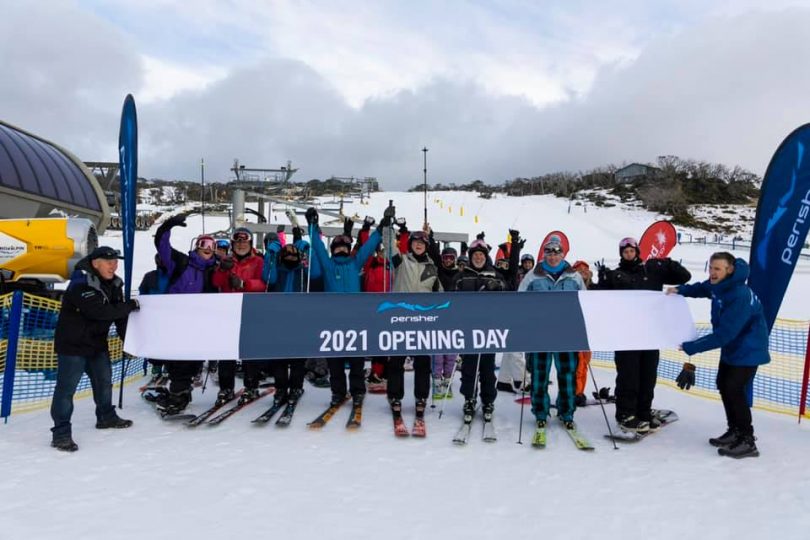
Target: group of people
[{"x": 383, "y": 259}]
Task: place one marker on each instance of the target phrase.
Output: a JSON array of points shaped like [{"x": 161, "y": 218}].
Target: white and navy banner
[{"x": 267, "y": 326}]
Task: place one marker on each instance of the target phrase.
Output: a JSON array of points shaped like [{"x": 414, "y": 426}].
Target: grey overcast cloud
[{"x": 495, "y": 90}]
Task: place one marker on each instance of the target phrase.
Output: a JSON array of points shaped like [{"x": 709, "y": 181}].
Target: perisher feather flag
[
  {"x": 128, "y": 167},
  {"x": 782, "y": 221}
]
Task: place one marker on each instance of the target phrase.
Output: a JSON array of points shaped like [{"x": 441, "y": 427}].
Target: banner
[
  {"x": 782, "y": 221},
  {"x": 657, "y": 241},
  {"x": 128, "y": 167},
  {"x": 266, "y": 326}
]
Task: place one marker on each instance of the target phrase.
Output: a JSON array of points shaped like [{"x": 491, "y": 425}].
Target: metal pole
[
  {"x": 424, "y": 171},
  {"x": 202, "y": 192}
]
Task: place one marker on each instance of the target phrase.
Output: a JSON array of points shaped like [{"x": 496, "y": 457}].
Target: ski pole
[
  {"x": 124, "y": 367},
  {"x": 205, "y": 380},
  {"x": 522, "y": 401},
  {"x": 309, "y": 259},
  {"x": 607, "y": 422}
]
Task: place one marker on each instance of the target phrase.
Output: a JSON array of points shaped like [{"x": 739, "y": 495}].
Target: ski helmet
[
  {"x": 628, "y": 242},
  {"x": 449, "y": 250},
  {"x": 526, "y": 257},
  {"x": 240, "y": 234},
  {"x": 478, "y": 245},
  {"x": 341, "y": 240}
]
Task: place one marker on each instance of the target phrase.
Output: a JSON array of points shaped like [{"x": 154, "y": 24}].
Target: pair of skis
[
  {"x": 283, "y": 420},
  {"x": 355, "y": 417},
  {"x": 401, "y": 430},
  {"x": 207, "y": 417},
  {"x": 580, "y": 441},
  {"x": 487, "y": 433}
]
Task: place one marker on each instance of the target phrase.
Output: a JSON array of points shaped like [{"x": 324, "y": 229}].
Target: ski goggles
[
  {"x": 449, "y": 258},
  {"x": 553, "y": 250},
  {"x": 241, "y": 236},
  {"x": 205, "y": 242},
  {"x": 628, "y": 242},
  {"x": 421, "y": 236},
  {"x": 223, "y": 244}
]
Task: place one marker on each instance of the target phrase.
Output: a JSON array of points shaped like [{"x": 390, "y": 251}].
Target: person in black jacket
[
  {"x": 479, "y": 276},
  {"x": 93, "y": 301},
  {"x": 636, "y": 371}
]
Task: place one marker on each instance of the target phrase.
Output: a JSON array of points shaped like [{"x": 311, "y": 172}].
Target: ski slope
[{"x": 161, "y": 480}]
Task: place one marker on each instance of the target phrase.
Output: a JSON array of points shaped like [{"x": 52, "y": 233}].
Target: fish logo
[
  {"x": 778, "y": 214},
  {"x": 386, "y": 306}
]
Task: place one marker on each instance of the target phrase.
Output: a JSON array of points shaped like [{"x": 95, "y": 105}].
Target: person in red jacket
[{"x": 241, "y": 273}]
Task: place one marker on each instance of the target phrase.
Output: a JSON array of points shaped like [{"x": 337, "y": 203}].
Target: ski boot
[
  {"x": 421, "y": 405},
  {"x": 469, "y": 409},
  {"x": 438, "y": 389},
  {"x": 281, "y": 397},
  {"x": 488, "y": 409},
  {"x": 174, "y": 402},
  {"x": 248, "y": 395},
  {"x": 743, "y": 447},
  {"x": 357, "y": 400},
  {"x": 295, "y": 395},
  {"x": 396, "y": 406},
  {"x": 224, "y": 396}
]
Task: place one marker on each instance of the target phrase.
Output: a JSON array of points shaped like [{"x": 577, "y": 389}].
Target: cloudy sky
[{"x": 495, "y": 89}]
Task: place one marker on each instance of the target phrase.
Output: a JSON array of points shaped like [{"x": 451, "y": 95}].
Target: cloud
[{"x": 724, "y": 89}]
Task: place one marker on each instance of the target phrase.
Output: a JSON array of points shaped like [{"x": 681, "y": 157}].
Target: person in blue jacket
[
  {"x": 341, "y": 273},
  {"x": 740, "y": 331},
  {"x": 285, "y": 272}
]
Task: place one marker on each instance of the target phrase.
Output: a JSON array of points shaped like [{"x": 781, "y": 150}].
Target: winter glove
[
  {"x": 686, "y": 378},
  {"x": 514, "y": 236},
  {"x": 601, "y": 272},
  {"x": 464, "y": 248},
  {"x": 134, "y": 304},
  {"x": 311, "y": 216},
  {"x": 401, "y": 224},
  {"x": 368, "y": 222},
  {"x": 226, "y": 264},
  {"x": 298, "y": 234},
  {"x": 348, "y": 225},
  {"x": 236, "y": 282},
  {"x": 176, "y": 221},
  {"x": 480, "y": 236},
  {"x": 388, "y": 218},
  {"x": 493, "y": 285}
]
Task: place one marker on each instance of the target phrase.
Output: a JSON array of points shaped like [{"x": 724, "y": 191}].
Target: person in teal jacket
[
  {"x": 740, "y": 331},
  {"x": 341, "y": 274},
  {"x": 553, "y": 274}
]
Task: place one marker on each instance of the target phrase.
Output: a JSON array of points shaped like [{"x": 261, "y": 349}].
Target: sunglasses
[
  {"x": 552, "y": 251},
  {"x": 241, "y": 237}
]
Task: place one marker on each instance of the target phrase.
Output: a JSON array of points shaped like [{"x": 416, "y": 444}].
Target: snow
[{"x": 161, "y": 480}]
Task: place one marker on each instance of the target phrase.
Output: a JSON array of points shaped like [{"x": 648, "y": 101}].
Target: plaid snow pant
[{"x": 566, "y": 365}]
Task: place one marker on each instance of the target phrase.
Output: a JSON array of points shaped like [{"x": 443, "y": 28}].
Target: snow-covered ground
[{"x": 160, "y": 480}]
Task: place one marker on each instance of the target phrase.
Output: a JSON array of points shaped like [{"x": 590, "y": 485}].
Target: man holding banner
[{"x": 740, "y": 331}]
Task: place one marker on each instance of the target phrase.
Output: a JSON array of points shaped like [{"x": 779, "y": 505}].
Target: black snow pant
[
  {"x": 337, "y": 376},
  {"x": 288, "y": 374},
  {"x": 486, "y": 377},
  {"x": 636, "y": 373},
  {"x": 732, "y": 382},
  {"x": 396, "y": 377},
  {"x": 253, "y": 372},
  {"x": 227, "y": 374},
  {"x": 181, "y": 374}
]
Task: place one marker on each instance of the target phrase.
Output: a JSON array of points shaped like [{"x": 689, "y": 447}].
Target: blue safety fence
[{"x": 27, "y": 359}]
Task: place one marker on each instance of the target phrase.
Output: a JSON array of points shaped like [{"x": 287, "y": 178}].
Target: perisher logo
[{"x": 386, "y": 306}]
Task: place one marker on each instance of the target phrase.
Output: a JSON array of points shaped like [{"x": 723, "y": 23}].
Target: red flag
[{"x": 657, "y": 241}]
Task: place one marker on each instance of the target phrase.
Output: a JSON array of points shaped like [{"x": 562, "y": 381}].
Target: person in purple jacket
[{"x": 188, "y": 274}]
